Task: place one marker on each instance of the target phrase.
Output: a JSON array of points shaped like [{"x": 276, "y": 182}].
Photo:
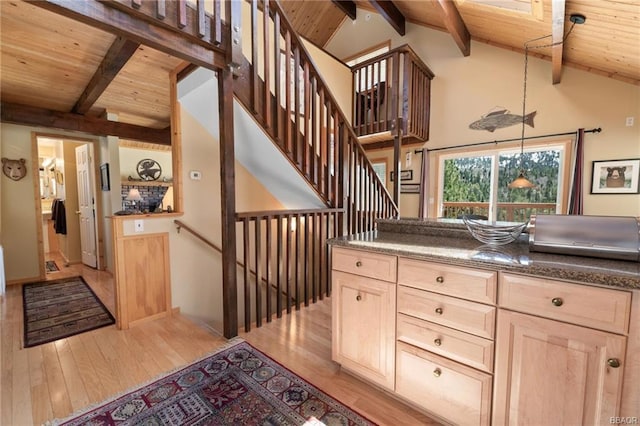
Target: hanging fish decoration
[{"x": 499, "y": 118}]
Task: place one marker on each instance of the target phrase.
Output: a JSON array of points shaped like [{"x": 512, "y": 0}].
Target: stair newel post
[
  {"x": 343, "y": 161},
  {"x": 228, "y": 194}
]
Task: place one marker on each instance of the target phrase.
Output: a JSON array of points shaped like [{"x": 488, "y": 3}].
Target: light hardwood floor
[{"x": 58, "y": 378}]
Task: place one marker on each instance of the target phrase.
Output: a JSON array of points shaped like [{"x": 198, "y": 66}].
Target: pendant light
[{"x": 521, "y": 182}]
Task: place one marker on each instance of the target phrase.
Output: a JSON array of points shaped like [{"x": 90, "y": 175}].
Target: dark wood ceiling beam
[
  {"x": 456, "y": 26},
  {"x": 33, "y": 116},
  {"x": 347, "y": 6},
  {"x": 116, "y": 21},
  {"x": 391, "y": 13},
  {"x": 117, "y": 56},
  {"x": 557, "y": 34}
]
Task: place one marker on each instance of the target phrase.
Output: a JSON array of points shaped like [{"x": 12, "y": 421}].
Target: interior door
[{"x": 86, "y": 203}]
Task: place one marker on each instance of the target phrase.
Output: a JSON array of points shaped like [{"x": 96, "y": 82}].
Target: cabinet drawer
[
  {"x": 595, "y": 307},
  {"x": 466, "y": 348},
  {"x": 457, "y": 393},
  {"x": 367, "y": 264},
  {"x": 472, "y": 284},
  {"x": 452, "y": 312}
]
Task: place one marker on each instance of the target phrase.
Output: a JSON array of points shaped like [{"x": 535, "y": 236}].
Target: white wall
[{"x": 465, "y": 88}]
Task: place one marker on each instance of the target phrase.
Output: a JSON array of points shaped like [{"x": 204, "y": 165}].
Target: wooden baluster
[
  {"x": 268, "y": 269},
  {"x": 306, "y": 268},
  {"x": 258, "y": 258},
  {"x": 314, "y": 258},
  {"x": 306, "y": 120},
  {"x": 247, "y": 278},
  {"x": 296, "y": 106},
  {"x": 202, "y": 31},
  {"x": 278, "y": 79},
  {"x": 356, "y": 101},
  {"x": 323, "y": 256},
  {"x": 296, "y": 279},
  {"x": 161, "y": 9},
  {"x": 136, "y": 4},
  {"x": 182, "y": 13},
  {"x": 314, "y": 137},
  {"x": 267, "y": 67},
  {"x": 216, "y": 23},
  {"x": 377, "y": 96},
  {"x": 287, "y": 270},
  {"x": 279, "y": 263},
  {"x": 287, "y": 91},
  {"x": 255, "y": 78},
  {"x": 324, "y": 163}
]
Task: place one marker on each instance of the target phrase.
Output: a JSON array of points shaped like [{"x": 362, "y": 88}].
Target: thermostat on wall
[{"x": 195, "y": 174}]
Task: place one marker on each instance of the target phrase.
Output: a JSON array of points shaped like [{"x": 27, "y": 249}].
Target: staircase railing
[
  {"x": 392, "y": 90},
  {"x": 287, "y": 248},
  {"x": 282, "y": 87},
  {"x": 181, "y": 225}
]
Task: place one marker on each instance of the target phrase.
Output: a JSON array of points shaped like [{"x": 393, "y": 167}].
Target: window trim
[{"x": 564, "y": 144}]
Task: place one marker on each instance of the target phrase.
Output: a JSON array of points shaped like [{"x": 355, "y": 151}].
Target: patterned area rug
[
  {"x": 57, "y": 309},
  {"x": 238, "y": 385},
  {"x": 51, "y": 266}
]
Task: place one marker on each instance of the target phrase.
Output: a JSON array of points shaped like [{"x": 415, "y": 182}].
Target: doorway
[{"x": 67, "y": 194}]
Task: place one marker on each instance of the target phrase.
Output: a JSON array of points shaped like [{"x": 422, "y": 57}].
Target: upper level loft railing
[
  {"x": 392, "y": 93},
  {"x": 294, "y": 105}
]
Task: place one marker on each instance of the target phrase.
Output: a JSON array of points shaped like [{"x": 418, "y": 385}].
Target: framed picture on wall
[
  {"x": 404, "y": 175},
  {"x": 615, "y": 176},
  {"x": 410, "y": 188},
  {"x": 104, "y": 177}
]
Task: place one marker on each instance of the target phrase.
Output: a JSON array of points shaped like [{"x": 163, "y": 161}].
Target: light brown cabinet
[
  {"x": 553, "y": 372},
  {"x": 478, "y": 347},
  {"x": 364, "y": 311}
]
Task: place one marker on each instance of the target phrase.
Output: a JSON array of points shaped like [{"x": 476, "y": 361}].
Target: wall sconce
[{"x": 133, "y": 196}]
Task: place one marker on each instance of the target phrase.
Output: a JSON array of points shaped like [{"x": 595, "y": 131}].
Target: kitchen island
[{"x": 478, "y": 334}]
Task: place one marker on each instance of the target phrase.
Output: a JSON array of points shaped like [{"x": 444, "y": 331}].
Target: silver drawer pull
[
  {"x": 358, "y": 264},
  {"x": 440, "y": 279},
  {"x": 437, "y": 342},
  {"x": 437, "y": 372},
  {"x": 439, "y": 311},
  {"x": 557, "y": 301}
]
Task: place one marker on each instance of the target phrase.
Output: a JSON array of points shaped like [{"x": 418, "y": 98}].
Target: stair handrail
[
  {"x": 285, "y": 24},
  {"x": 179, "y": 225}
]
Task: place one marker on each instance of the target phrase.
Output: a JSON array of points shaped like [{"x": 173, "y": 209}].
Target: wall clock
[{"x": 149, "y": 169}]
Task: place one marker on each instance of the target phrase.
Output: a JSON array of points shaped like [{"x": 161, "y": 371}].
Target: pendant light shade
[{"x": 521, "y": 182}]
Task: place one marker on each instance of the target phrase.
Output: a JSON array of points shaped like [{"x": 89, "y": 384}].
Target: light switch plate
[{"x": 138, "y": 225}]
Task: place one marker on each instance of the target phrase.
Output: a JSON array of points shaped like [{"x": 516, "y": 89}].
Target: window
[{"x": 476, "y": 182}]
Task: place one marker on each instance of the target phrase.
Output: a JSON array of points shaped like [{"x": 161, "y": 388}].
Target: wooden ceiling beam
[
  {"x": 116, "y": 21},
  {"x": 391, "y": 13},
  {"x": 117, "y": 56},
  {"x": 557, "y": 35},
  {"x": 41, "y": 117},
  {"x": 456, "y": 26},
  {"x": 347, "y": 6}
]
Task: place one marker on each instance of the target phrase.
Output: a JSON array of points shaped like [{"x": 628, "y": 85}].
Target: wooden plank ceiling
[{"x": 66, "y": 70}]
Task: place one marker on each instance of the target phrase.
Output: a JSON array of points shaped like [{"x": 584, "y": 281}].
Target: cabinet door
[
  {"x": 549, "y": 372},
  {"x": 364, "y": 326}
]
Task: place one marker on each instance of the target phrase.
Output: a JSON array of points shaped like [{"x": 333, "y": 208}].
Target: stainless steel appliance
[{"x": 612, "y": 237}]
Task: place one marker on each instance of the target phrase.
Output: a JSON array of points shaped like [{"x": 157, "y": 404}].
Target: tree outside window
[{"x": 476, "y": 183}]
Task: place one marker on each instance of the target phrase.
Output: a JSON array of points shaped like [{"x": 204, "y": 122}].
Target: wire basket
[{"x": 493, "y": 234}]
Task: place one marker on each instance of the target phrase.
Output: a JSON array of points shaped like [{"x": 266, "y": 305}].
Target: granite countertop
[{"x": 449, "y": 241}]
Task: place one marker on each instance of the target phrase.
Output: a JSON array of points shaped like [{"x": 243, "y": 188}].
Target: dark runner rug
[
  {"x": 51, "y": 266},
  {"x": 236, "y": 385},
  {"x": 61, "y": 308}
]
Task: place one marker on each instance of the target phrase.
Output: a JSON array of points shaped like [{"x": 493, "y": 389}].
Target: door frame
[{"x": 36, "y": 187}]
